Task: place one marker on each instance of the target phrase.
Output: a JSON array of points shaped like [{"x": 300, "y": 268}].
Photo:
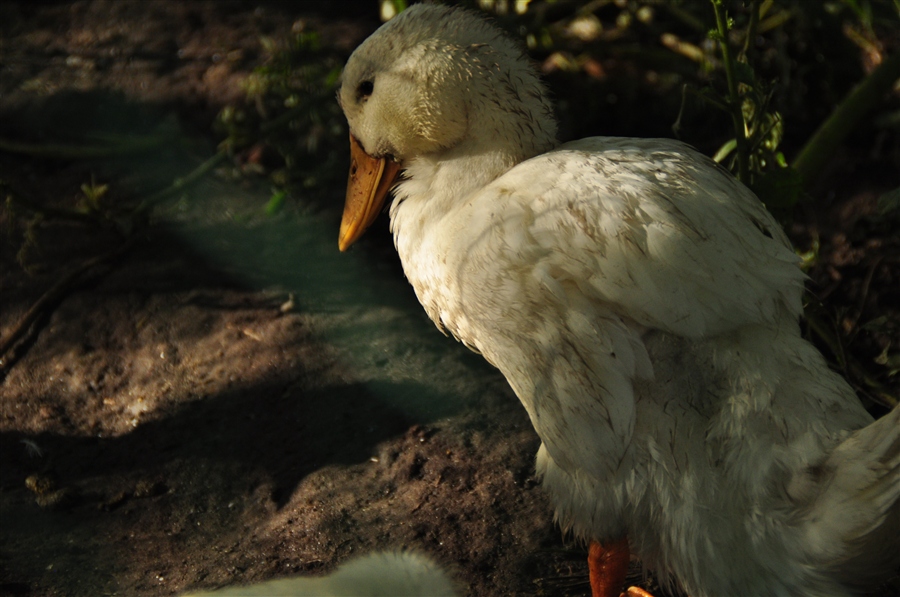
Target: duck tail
[{"x": 856, "y": 517}]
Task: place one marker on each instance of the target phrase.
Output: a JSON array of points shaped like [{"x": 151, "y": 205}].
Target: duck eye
[{"x": 365, "y": 89}]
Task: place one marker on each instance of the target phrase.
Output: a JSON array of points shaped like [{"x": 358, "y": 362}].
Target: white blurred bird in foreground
[{"x": 387, "y": 574}]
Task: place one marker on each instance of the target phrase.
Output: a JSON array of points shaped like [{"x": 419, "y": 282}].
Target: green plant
[{"x": 290, "y": 108}]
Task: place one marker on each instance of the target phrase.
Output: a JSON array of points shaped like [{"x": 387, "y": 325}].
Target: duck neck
[{"x": 453, "y": 174}]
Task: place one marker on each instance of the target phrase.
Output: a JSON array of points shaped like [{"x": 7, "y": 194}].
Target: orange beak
[{"x": 367, "y": 187}]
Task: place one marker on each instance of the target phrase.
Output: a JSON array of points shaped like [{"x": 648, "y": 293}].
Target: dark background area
[{"x": 212, "y": 394}]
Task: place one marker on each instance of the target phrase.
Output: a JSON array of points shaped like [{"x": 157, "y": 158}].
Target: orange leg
[{"x": 608, "y": 565}]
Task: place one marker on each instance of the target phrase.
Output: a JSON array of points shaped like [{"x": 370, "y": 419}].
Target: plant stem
[
  {"x": 182, "y": 183},
  {"x": 819, "y": 148},
  {"x": 750, "y": 37},
  {"x": 734, "y": 100}
]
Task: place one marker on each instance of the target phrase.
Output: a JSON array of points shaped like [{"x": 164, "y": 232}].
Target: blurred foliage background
[
  {"x": 753, "y": 83},
  {"x": 631, "y": 68}
]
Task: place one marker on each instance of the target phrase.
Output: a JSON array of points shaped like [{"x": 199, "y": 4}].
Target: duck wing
[
  {"x": 661, "y": 233},
  {"x": 556, "y": 270}
]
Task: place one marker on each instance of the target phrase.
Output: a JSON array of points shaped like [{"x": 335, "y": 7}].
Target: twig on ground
[
  {"x": 50, "y": 213},
  {"x": 79, "y": 274},
  {"x": 53, "y": 296},
  {"x": 82, "y": 152}
]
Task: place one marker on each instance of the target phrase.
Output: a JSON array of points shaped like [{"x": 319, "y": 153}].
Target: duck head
[{"x": 442, "y": 84}]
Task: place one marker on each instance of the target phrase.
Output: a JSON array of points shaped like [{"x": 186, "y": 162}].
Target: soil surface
[{"x": 226, "y": 398}]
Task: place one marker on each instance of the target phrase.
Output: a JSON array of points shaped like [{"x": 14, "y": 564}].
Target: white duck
[{"x": 642, "y": 304}]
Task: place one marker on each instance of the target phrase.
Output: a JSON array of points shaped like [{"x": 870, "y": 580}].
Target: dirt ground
[{"x": 230, "y": 399}]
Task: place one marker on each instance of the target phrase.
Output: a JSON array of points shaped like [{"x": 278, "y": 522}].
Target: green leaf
[
  {"x": 725, "y": 150},
  {"x": 889, "y": 202},
  {"x": 782, "y": 161},
  {"x": 334, "y": 75},
  {"x": 891, "y": 360},
  {"x": 809, "y": 258},
  {"x": 276, "y": 203}
]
